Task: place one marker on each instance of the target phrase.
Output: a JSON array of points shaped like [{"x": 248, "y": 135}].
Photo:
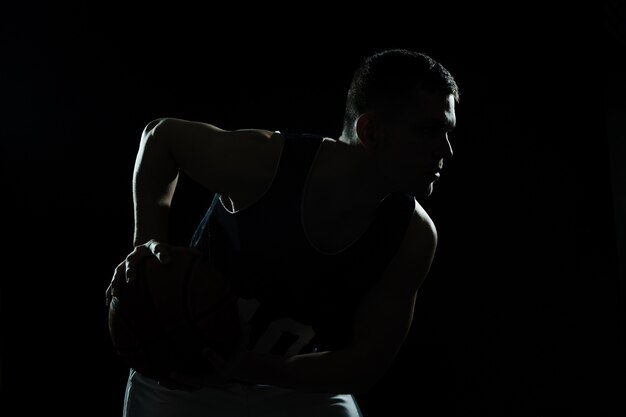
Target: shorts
[{"x": 145, "y": 397}]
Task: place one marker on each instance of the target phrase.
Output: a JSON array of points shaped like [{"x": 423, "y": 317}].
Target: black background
[{"x": 522, "y": 313}]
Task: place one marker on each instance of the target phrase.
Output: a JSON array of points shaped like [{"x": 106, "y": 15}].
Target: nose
[
  {"x": 445, "y": 148},
  {"x": 444, "y": 151}
]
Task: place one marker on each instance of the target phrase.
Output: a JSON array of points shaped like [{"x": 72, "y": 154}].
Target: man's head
[
  {"x": 391, "y": 80},
  {"x": 400, "y": 106}
]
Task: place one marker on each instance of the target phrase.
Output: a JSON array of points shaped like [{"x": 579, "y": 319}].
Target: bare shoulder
[
  {"x": 421, "y": 225},
  {"x": 192, "y": 130},
  {"x": 238, "y": 163},
  {"x": 412, "y": 261}
]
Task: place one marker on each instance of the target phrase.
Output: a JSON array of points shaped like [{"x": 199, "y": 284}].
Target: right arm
[{"x": 238, "y": 164}]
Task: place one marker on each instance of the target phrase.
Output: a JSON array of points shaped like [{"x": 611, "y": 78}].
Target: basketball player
[{"x": 324, "y": 237}]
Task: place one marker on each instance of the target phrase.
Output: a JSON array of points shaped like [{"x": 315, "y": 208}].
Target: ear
[{"x": 366, "y": 130}]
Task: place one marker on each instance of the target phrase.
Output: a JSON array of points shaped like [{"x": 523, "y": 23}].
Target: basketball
[{"x": 162, "y": 320}]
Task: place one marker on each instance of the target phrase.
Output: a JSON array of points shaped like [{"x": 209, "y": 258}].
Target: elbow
[
  {"x": 152, "y": 125},
  {"x": 155, "y": 129},
  {"x": 154, "y": 135}
]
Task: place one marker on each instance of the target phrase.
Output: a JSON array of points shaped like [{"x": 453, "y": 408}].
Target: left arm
[
  {"x": 382, "y": 323},
  {"x": 385, "y": 314}
]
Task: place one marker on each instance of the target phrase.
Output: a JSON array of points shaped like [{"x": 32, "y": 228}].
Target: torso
[
  {"x": 327, "y": 229},
  {"x": 299, "y": 249}
]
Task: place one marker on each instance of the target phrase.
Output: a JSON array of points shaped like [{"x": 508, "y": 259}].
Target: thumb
[
  {"x": 163, "y": 256},
  {"x": 160, "y": 250}
]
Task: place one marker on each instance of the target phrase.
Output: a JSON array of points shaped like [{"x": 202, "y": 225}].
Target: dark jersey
[{"x": 295, "y": 298}]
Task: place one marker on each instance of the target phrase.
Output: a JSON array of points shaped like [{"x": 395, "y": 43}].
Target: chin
[{"x": 428, "y": 191}]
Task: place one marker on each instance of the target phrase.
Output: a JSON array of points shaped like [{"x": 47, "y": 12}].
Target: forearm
[
  {"x": 383, "y": 322},
  {"x": 154, "y": 181},
  {"x": 341, "y": 371}
]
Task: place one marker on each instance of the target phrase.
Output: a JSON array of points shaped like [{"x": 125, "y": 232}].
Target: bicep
[
  {"x": 229, "y": 162},
  {"x": 385, "y": 313}
]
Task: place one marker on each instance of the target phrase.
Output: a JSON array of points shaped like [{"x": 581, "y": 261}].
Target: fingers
[
  {"x": 131, "y": 261},
  {"x": 127, "y": 269},
  {"x": 160, "y": 250},
  {"x": 118, "y": 275},
  {"x": 109, "y": 294}
]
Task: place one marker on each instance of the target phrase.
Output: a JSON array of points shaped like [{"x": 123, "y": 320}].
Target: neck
[{"x": 358, "y": 183}]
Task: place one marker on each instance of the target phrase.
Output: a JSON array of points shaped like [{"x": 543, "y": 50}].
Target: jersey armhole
[{"x": 229, "y": 208}]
